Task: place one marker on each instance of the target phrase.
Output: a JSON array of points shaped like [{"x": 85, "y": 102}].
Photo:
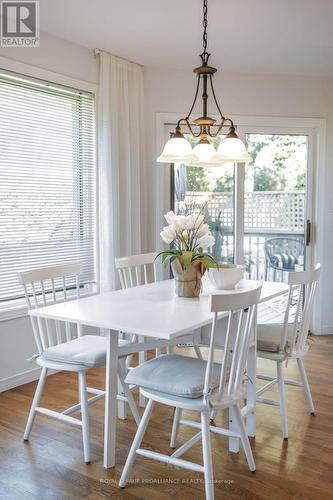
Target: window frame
[
  {"x": 315, "y": 128},
  {"x": 17, "y": 308}
]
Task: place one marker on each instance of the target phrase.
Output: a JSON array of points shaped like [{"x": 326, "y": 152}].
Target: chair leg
[
  {"x": 169, "y": 349},
  {"x": 207, "y": 456},
  {"x": 306, "y": 386},
  {"x": 197, "y": 351},
  {"x": 282, "y": 400},
  {"x": 84, "y": 416},
  {"x": 35, "y": 403},
  {"x": 129, "y": 358},
  {"x": 136, "y": 442},
  {"x": 233, "y": 441},
  {"x": 175, "y": 427},
  {"x": 244, "y": 439},
  {"x": 142, "y": 359},
  {"x": 122, "y": 408},
  {"x": 127, "y": 392},
  {"x": 213, "y": 415}
]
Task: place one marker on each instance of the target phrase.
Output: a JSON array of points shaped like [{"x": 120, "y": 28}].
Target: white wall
[
  {"x": 244, "y": 94},
  {"x": 74, "y": 61},
  {"x": 172, "y": 92},
  {"x": 57, "y": 55}
]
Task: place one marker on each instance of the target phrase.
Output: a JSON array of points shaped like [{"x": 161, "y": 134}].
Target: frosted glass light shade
[
  {"x": 205, "y": 156},
  {"x": 204, "y": 152},
  {"x": 176, "y": 149},
  {"x": 232, "y": 149}
]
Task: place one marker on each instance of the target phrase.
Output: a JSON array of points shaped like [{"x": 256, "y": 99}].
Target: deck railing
[{"x": 267, "y": 214}]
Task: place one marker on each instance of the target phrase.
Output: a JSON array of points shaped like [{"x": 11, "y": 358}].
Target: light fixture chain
[
  {"x": 205, "y": 22},
  {"x": 231, "y": 148}
]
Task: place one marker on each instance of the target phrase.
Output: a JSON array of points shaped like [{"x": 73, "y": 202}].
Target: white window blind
[{"x": 47, "y": 179}]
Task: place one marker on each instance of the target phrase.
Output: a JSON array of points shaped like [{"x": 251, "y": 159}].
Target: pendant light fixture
[{"x": 178, "y": 149}]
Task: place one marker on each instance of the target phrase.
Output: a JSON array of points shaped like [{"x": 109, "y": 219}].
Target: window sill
[
  {"x": 13, "y": 312},
  {"x": 18, "y": 308}
]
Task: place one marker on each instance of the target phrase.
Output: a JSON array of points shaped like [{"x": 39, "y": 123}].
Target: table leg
[
  {"x": 251, "y": 395},
  {"x": 110, "y": 417},
  {"x": 122, "y": 405}
]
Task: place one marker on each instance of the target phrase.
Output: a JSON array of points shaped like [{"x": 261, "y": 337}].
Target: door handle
[{"x": 308, "y": 233}]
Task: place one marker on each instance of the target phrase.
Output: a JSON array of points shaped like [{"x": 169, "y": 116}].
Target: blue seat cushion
[
  {"x": 88, "y": 350},
  {"x": 173, "y": 374}
]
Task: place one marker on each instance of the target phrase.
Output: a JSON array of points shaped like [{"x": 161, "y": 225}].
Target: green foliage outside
[
  {"x": 197, "y": 179},
  {"x": 225, "y": 183},
  {"x": 286, "y": 160},
  {"x": 278, "y": 164}
]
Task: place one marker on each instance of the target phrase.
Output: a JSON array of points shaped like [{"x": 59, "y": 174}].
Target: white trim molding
[
  {"x": 43, "y": 74},
  {"x": 19, "y": 379},
  {"x": 325, "y": 330}
]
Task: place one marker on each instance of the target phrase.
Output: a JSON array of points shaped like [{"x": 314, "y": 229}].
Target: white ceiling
[{"x": 256, "y": 36}]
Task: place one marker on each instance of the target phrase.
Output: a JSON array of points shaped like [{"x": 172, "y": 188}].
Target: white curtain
[{"x": 120, "y": 152}]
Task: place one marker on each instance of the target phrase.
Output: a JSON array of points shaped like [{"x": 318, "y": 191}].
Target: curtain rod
[{"x": 98, "y": 51}]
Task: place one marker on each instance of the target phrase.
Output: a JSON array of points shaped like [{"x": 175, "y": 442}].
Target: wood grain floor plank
[{"x": 51, "y": 465}]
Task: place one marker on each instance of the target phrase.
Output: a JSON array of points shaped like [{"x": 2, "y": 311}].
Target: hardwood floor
[{"x": 51, "y": 465}]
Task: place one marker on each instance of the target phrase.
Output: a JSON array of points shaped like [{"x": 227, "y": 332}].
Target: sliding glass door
[
  {"x": 258, "y": 213},
  {"x": 275, "y": 204}
]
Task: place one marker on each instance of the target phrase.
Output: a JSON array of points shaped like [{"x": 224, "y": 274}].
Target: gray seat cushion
[
  {"x": 88, "y": 350},
  {"x": 269, "y": 337},
  {"x": 173, "y": 374}
]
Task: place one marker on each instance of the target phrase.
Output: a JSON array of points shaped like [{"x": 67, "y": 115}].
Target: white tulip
[
  {"x": 188, "y": 222},
  {"x": 169, "y": 217},
  {"x": 179, "y": 222},
  {"x": 168, "y": 234},
  {"x": 203, "y": 230},
  {"x": 174, "y": 220},
  {"x": 185, "y": 234},
  {"x": 184, "y": 222},
  {"x": 206, "y": 241}
]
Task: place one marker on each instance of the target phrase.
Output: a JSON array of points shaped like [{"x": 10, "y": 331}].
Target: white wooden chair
[
  {"x": 289, "y": 340},
  {"x": 59, "y": 350},
  {"x": 135, "y": 270},
  {"x": 201, "y": 386}
]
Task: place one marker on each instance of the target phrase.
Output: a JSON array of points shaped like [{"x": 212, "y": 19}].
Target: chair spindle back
[
  {"x": 302, "y": 288},
  {"x": 241, "y": 308},
  {"x": 136, "y": 270},
  {"x": 46, "y": 286}
]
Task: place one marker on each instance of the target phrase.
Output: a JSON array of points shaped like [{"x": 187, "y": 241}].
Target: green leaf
[
  {"x": 168, "y": 258},
  {"x": 167, "y": 254},
  {"x": 187, "y": 259},
  {"x": 206, "y": 259}
]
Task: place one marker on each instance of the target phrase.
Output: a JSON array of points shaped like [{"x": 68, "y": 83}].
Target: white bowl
[{"x": 226, "y": 277}]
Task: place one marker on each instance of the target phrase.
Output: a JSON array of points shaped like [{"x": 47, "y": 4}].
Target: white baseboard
[
  {"x": 325, "y": 330},
  {"x": 19, "y": 379}
]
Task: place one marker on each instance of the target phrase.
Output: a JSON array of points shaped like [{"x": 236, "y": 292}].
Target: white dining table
[{"x": 151, "y": 311}]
